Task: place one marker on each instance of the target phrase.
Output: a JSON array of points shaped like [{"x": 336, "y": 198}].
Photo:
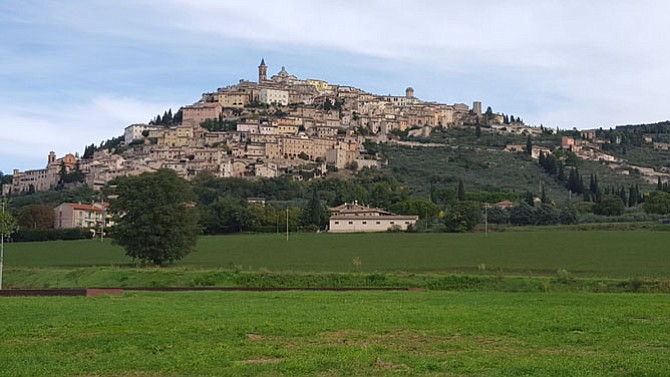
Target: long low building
[{"x": 353, "y": 218}]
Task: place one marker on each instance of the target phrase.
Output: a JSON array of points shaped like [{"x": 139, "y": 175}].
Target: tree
[
  {"x": 657, "y": 202},
  {"x": 561, "y": 172},
  {"x": 227, "y": 215},
  {"x": 478, "y": 131},
  {"x": 461, "y": 190},
  {"x": 568, "y": 214},
  {"x": 464, "y": 216},
  {"x": 546, "y": 215},
  {"x": 36, "y": 216},
  {"x": 7, "y": 227},
  {"x": 529, "y": 146},
  {"x": 521, "y": 214},
  {"x": 543, "y": 197},
  {"x": 498, "y": 215},
  {"x": 157, "y": 219},
  {"x": 609, "y": 205},
  {"x": 314, "y": 212},
  {"x": 8, "y": 224}
]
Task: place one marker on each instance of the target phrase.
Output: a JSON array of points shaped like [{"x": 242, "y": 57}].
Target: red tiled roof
[{"x": 83, "y": 207}]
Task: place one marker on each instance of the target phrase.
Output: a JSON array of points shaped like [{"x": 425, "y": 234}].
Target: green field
[
  {"x": 496, "y": 305},
  {"x": 602, "y": 254},
  {"x": 336, "y": 333},
  {"x": 604, "y": 261}
]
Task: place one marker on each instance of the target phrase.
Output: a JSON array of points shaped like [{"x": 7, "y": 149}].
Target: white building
[
  {"x": 252, "y": 128},
  {"x": 353, "y": 218},
  {"x": 270, "y": 96},
  {"x": 134, "y": 132}
]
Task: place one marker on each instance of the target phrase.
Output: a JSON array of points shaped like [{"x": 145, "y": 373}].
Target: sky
[{"x": 77, "y": 72}]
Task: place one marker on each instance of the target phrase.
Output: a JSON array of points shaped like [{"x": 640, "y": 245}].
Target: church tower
[{"x": 262, "y": 72}]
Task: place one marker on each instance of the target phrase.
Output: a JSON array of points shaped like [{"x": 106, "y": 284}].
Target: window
[
  {"x": 351, "y": 222},
  {"x": 365, "y": 222},
  {"x": 392, "y": 222},
  {"x": 378, "y": 222},
  {"x": 406, "y": 222},
  {"x": 337, "y": 222}
]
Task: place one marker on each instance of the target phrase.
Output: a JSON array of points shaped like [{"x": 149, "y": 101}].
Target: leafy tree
[
  {"x": 157, "y": 219},
  {"x": 497, "y": 215},
  {"x": 568, "y": 214},
  {"x": 478, "y": 131},
  {"x": 529, "y": 146},
  {"x": 657, "y": 202},
  {"x": 521, "y": 214},
  {"x": 227, "y": 215},
  {"x": 463, "y": 216},
  {"x": 420, "y": 207},
  {"x": 546, "y": 215},
  {"x": 8, "y": 224},
  {"x": 609, "y": 205},
  {"x": 36, "y": 216},
  {"x": 444, "y": 196}
]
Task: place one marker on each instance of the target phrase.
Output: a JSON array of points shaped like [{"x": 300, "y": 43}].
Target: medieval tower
[{"x": 262, "y": 72}]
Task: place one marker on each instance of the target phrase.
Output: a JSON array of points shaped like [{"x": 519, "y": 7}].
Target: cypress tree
[
  {"x": 461, "y": 190},
  {"x": 622, "y": 194},
  {"x": 561, "y": 171},
  {"x": 632, "y": 196},
  {"x": 543, "y": 196}
]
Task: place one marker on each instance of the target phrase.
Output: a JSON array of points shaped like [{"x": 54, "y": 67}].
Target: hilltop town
[
  {"x": 277, "y": 125},
  {"x": 284, "y": 125}
]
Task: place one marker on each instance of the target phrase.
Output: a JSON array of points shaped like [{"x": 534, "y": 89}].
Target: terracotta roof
[
  {"x": 373, "y": 218},
  {"x": 83, "y": 207}
]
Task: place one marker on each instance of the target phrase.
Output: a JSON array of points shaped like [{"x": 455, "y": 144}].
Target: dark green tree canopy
[
  {"x": 36, "y": 216},
  {"x": 657, "y": 202},
  {"x": 157, "y": 221},
  {"x": 609, "y": 205}
]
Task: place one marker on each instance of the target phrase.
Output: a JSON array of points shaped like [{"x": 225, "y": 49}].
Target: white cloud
[{"x": 560, "y": 63}]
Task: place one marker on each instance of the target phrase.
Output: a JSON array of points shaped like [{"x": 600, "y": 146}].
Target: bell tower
[{"x": 262, "y": 72}]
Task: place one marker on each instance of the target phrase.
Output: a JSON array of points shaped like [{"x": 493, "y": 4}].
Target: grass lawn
[
  {"x": 336, "y": 333},
  {"x": 589, "y": 254}
]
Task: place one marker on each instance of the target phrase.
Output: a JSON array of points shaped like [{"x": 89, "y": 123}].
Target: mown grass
[
  {"x": 583, "y": 254},
  {"x": 336, "y": 334}
]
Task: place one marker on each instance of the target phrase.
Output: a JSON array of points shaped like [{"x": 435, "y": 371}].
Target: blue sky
[{"x": 77, "y": 72}]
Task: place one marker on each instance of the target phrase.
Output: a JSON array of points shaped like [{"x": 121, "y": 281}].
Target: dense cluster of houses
[{"x": 275, "y": 126}]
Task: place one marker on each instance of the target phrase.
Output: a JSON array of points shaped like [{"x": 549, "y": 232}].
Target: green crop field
[
  {"x": 336, "y": 334},
  {"x": 602, "y": 254},
  {"x": 529, "y": 261}
]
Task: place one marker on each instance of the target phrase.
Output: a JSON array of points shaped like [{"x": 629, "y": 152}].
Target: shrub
[{"x": 37, "y": 235}]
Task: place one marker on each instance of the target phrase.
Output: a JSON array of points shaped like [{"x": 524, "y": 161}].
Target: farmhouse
[{"x": 352, "y": 217}]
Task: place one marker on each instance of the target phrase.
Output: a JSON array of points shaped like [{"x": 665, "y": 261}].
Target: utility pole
[
  {"x": 486, "y": 220},
  {"x": 102, "y": 224}
]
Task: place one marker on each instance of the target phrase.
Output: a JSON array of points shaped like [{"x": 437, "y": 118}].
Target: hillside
[{"x": 484, "y": 165}]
